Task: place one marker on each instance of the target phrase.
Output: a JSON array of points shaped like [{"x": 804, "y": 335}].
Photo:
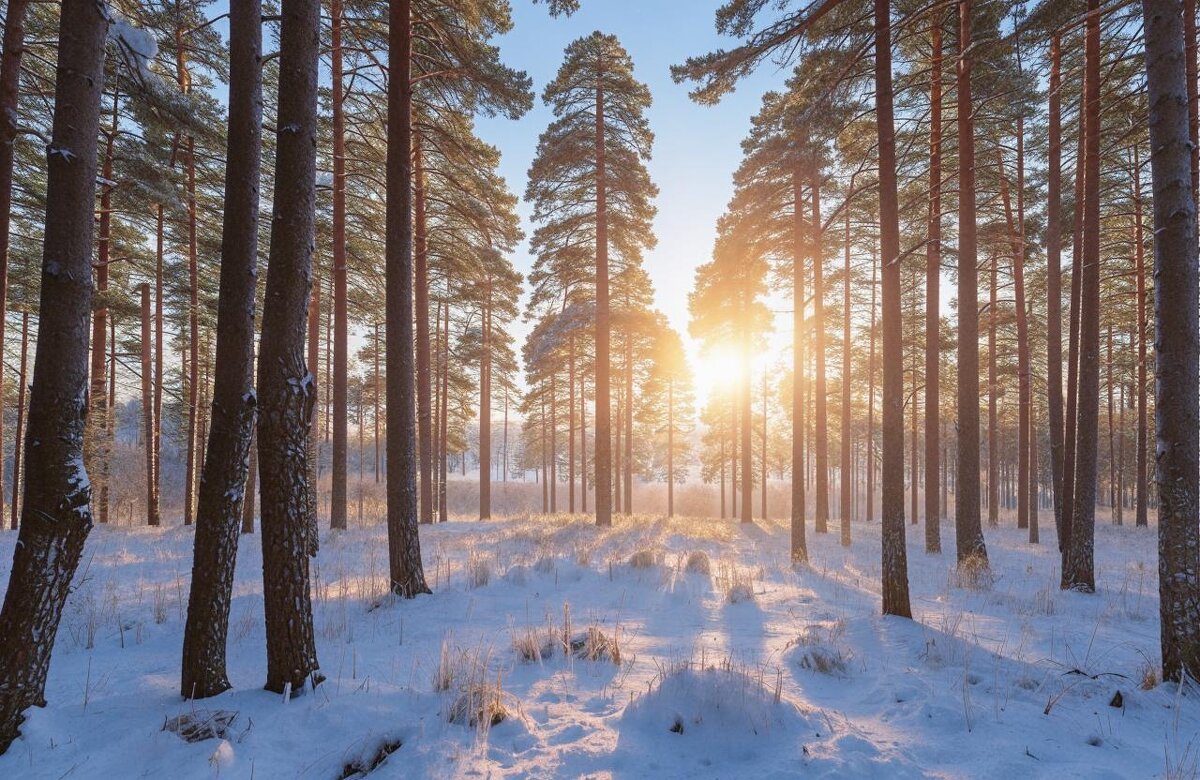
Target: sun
[{"x": 717, "y": 370}]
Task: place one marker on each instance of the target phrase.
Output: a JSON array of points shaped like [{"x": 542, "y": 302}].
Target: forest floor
[{"x": 730, "y": 664}]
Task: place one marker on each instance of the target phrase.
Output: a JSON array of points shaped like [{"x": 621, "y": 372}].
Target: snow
[{"x": 804, "y": 678}]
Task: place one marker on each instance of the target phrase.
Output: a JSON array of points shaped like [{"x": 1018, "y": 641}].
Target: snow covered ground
[{"x": 726, "y": 664}]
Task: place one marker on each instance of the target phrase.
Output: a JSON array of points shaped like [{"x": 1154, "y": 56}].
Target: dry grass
[
  {"x": 643, "y": 559},
  {"x": 698, "y": 563}
]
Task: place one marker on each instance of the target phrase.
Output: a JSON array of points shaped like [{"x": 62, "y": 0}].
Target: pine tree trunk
[
  {"x": 286, "y": 391},
  {"x": 603, "y": 447},
  {"x": 993, "y": 434},
  {"x": 444, "y": 435},
  {"x": 1070, "y": 436},
  {"x": 571, "y": 425},
  {"x": 96, "y": 441},
  {"x": 1141, "y": 481},
  {"x": 424, "y": 391},
  {"x": 894, "y": 553},
  {"x": 847, "y": 496},
  {"x": 799, "y": 542},
  {"x": 933, "y": 315},
  {"x": 1024, "y": 386},
  {"x": 1112, "y": 433},
  {"x": 313, "y": 359},
  {"x": 1177, "y": 350},
  {"x": 193, "y": 405},
  {"x": 1054, "y": 377},
  {"x": 746, "y": 430},
  {"x": 404, "y": 545},
  {"x": 56, "y": 517},
  {"x": 583, "y": 462},
  {"x": 341, "y": 357},
  {"x": 1079, "y": 573},
  {"x": 485, "y": 410},
  {"x": 219, "y": 513},
  {"x": 375, "y": 400},
  {"x": 871, "y": 394},
  {"x": 156, "y": 442},
  {"x": 10, "y": 85},
  {"x": 629, "y": 423},
  {"x": 19, "y": 439},
  {"x": 554, "y": 445},
  {"x": 971, "y": 549},
  {"x": 821, "y": 518},
  {"x": 152, "y": 515}
]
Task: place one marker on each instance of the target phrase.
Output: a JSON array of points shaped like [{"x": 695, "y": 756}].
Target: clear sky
[{"x": 696, "y": 147}]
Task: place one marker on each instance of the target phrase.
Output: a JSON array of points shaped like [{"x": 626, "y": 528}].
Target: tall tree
[
  {"x": 341, "y": 329},
  {"x": 285, "y": 383},
  {"x": 404, "y": 544},
  {"x": 894, "y": 553},
  {"x": 56, "y": 517},
  {"x": 933, "y": 281},
  {"x": 223, "y": 481},
  {"x": 968, "y": 529},
  {"x": 592, "y": 195},
  {"x": 1177, "y": 350},
  {"x": 1079, "y": 571},
  {"x": 10, "y": 84}
]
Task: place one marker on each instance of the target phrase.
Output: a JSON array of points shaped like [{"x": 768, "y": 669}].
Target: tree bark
[
  {"x": 56, "y": 516},
  {"x": 629, "y": 422},
  {"x": 96, "y": 444},
  {"x": 286, "y": 389},
  {"x": 993, "y": 434},
  {"x": 1054, "y": 369},
  {"x": 799, "y": 542},
  {"x": 1177, "y": 350},
  {"x": 341, "y": 355},
  {"x": 10, "y": 85},
  {"x": 1024, "y": 386},
  {"x": 821, "y": 390},
  {"x": 1070, "y": 436},
  {"x": 971, "y": 549},
  {"x": 219, "y": 513},
  {"x": 603, "y": 426},
  {"x": 571, "y": 424},
  {"x": 404, "y": 545},
  {"x": 1079, "y": 574},
  {"x": 424, "y": 390},
  {"x": 845, "y": 478},
  {"x": 148, "y": 425},
  {"x": 193, "y": 335},
  {"x": 19, "y": 439},
  {"x": 485, "y": 411},
  {"x": 894, "y": 553},
  {"x": 1141, "y": 482},
  {"x": 933, "y": 316}
]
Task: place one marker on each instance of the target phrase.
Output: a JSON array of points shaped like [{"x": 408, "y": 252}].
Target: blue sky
[{"x": 696, "y": 147}]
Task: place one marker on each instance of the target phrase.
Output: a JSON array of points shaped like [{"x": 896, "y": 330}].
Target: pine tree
[
  {"x": 56, "y": 517},
  {"x": 285, "y": 382},
  {"x": 222, "y": 484},
  {"x": 1177, "y": 350},
  {"x": 591, "y": 194}
]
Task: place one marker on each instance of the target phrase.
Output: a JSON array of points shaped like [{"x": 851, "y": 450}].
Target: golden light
[{"x": 717, "y": 371}]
